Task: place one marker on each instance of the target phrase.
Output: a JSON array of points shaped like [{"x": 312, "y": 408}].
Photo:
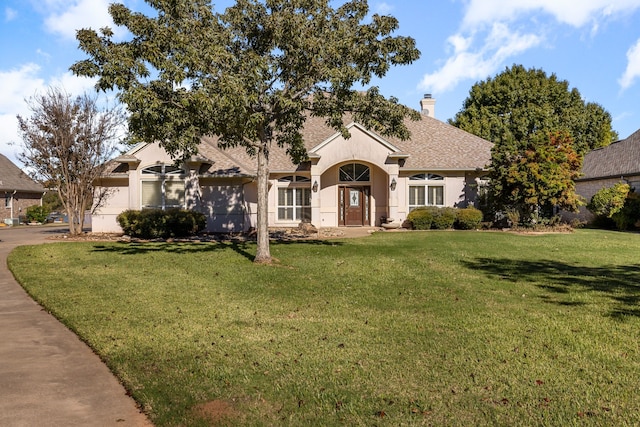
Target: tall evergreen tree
[{"x": 250, "y": 75}]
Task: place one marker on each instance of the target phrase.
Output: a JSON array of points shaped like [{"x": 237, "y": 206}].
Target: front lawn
[{"x": 424, "y": 328}]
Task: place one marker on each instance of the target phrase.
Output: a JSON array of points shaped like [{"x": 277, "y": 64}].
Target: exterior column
[
  {"x": 134, "y": 184},
  {"x": 315, "y": 199},
  {"x": 393, "y": 189}
]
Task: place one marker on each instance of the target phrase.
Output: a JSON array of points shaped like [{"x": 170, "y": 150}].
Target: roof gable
[
  {"x": 13, "y": 178},
  {"x": 351, "y": 126}
]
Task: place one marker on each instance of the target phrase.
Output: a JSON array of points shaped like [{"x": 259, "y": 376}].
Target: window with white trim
[
  {"x": 162, "y": 187},
  {"x": 425, "y": 190},
  {"x": 294, "y": 204},
  {"x": 294, "y": 198}
]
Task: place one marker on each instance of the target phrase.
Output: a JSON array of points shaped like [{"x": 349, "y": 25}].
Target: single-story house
[
  {"x": 19, "y": 191},
  {"x": 607, "y": 166},
  {"x": 361, "y": 181}
]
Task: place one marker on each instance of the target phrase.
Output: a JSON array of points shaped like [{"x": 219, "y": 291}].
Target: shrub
[
  {"x": 468, "y": 219},
  {"x": 156, "y": 223},
  {"x": 628, "y": 217},
  {"x": 185, "y": 223},
  {"x": 444, "y": 218},
  {"x": 609, "y": 201},
  {"x": 37, "y": 214},
  {"x": 513, "y": 217},
  {"x": 421, "y": 218}
]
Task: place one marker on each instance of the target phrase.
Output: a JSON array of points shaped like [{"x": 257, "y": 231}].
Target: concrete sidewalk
[{"x": 48, "y": 377}]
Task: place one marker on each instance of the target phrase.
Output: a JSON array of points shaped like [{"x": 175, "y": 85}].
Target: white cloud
[
  {"x": 10, "y": 14},
  {"x": 72, "y": 84},
  {"x": 571, "y": 12},
  {"x": 499, "y": 45},
  {"x": 382, "y": 8},
  {"x": 15, "y": 85},
  {"x": 18, "y": 85},
  {"x": 494, "y": 22},
  {"x": 43, "y": 54},
  {"x": 65, "y": 18},
  {"x": 633, "y": 67}
]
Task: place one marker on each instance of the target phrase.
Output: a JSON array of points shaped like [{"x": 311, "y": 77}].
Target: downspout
[{"x": 12, "y": 194}]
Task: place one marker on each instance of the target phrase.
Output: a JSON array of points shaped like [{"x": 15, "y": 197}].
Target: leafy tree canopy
[
  {"x": 520, "y": 102},
  {"x": 250, "y": 75},
  {"x": 535, "y": 180}
]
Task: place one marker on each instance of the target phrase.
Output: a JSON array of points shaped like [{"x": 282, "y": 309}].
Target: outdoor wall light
[
  {"x": 393, "y": 184},
  {"x": 315, "y": 186}
]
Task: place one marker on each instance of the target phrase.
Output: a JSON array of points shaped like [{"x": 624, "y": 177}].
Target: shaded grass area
[{"x": 432, "y": 328}]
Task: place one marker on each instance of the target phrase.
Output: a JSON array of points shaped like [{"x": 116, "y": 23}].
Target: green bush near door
[{"x": 433, "y": 217}]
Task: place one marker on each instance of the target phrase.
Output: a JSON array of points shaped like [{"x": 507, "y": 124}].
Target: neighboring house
[
  {"x": 18, "y": 191},
  {"x": 362, "y": 181},
  {"x": 606, "y": 166}
]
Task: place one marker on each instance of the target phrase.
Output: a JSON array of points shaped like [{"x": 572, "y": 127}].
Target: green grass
[{"x": 424, "y": 328}]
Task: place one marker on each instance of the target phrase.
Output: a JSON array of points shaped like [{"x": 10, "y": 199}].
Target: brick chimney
[{"x": 428, "y": 105}]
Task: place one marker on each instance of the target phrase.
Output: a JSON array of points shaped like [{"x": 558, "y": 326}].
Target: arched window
[
  {"x": 294, "y": 178},
  {"x": 354, "y": 172},
  {"x": 426, "y": 177},
  {"x": 162, "y": 187},
  {"x": 426, "y": 193}
]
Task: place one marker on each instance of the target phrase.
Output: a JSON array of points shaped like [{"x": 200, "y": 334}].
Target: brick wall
[{"x": 21, "y": 201}]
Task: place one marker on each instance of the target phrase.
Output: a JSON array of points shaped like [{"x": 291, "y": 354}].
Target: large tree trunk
[{"x": 263, "y": 254}]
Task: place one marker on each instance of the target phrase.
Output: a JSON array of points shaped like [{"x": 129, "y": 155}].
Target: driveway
[{"x": 48, "y": 377}]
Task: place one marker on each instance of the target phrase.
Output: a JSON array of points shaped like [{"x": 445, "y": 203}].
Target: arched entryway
[{"x": 354, "y": 191}]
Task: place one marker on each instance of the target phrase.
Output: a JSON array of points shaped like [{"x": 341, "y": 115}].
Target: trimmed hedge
[
  {"x": 433, "y": 217},
  {"x": 156, "y": 223},
  {"x": 444, "y": 218},
  {"x": 421, "y": 218},
  {"x": 468, "y": 219}
]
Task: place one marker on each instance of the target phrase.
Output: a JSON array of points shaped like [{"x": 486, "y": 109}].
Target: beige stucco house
[
  {"x": 18, "y": 191},
  {"x": 360, "y": 181}
]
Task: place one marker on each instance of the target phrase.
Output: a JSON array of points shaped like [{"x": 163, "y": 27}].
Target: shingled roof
[
  {"x": 621, "y": 158},
  {"x": 12, "y": 178},
  {"x": 433, "y": 145}
]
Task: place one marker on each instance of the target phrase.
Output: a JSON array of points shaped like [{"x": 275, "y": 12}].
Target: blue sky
[{"x": 593, "y": 44}]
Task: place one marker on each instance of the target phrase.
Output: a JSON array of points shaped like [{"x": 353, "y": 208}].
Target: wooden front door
[{"x": 354, "y": 206}]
